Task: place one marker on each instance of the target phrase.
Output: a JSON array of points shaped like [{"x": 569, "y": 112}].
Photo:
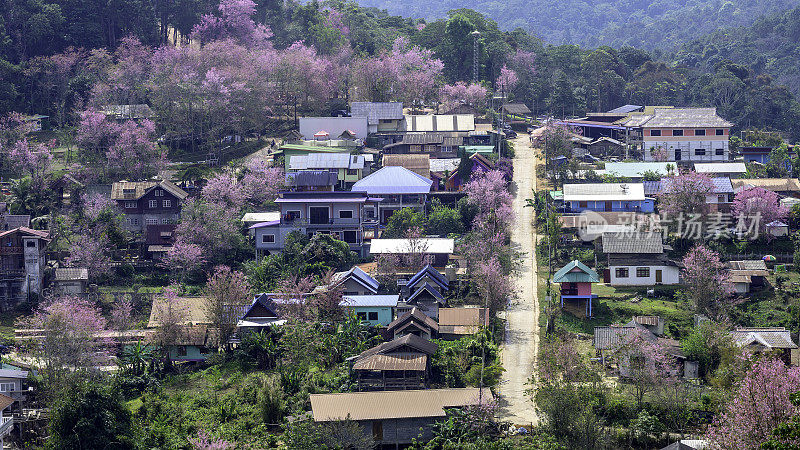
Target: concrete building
[{"x": 685, "y": 135}]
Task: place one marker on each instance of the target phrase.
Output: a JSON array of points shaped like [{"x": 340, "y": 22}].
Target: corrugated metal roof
[
  {"x": 312, "y": 178},
  {"x": 339, "y": 160},
  {"x": 262, "y": 216},
  {"x": 417, "y": 316},
  {"x": 633, "y": 242},
  {"x": 360, "y": 276},
  {"x": 755, "y": 264},
  {"x": 370, "y": 300},
  {"x": 417, "y": 163},
  {"x": 430, "y": 272},
  {"x": 440, "y": 122},
  {"x": 409, "y": 341},
  {"x": 725, "y": 167},
  {"x": 776, "y": 337},
  {"x": 637, "y": 169},
  {"x": 516, "y": 108},
  {"x": 604, "y": 192},
  {"x": 393, "y": 180},
  {"x": 444, "y": 164},
  {"x": 625, "y": 109},
  {"x": 770, "y": 184},
  {"x": 402, "y": 246},
  {"x": 395, "y": 361},
  {"x": 576, "y": 272},
  {"x": 464, "y": 317},
  {"x": 5, "y": 401},
  {"x": 393, "y": 404},
  {"x": 189, "y": 309},
  {"x": 71, "y": 274},
  {"x": 134, "y": 190},
  {"x": 686, "y": 118},
  {"x": 375, "y": 111}
]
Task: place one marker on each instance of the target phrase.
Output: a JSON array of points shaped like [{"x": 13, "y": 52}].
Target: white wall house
[
  {"x": 686, "y": 134},
  {"x": 636, "y": 273}
]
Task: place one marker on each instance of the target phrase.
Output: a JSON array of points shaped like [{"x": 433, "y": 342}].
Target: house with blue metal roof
[
  {"x": 356, "y": 282},
  {"x": 576, "y": 287},
  {"x": 398, "y": 188},
  {"x": 377, "y": 310}
]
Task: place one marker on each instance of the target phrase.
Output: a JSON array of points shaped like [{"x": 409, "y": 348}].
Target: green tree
[
  {"x": 91, "y": 416},
  {"x": 402, "y": 221},
  {"x": 443, "y": 221}
]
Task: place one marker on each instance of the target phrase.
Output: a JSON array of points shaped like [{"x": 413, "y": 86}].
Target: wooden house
[
  {"x": 747, "y": 275},
  {"x": 262, "y": 313},
  {"x": 395, "y": 418},
  {"x": 775, "y": 340},
  {"x": 638, "y": 259},
  {"x": 402, "y": 363},
  {"x": 70, "y": 280},
  {"x": 425, "y": 290},
  {"x": 435, "y": 251},
  {"x": 413, "y": 322},
  {"x": 576, "y": 287},
  {"x": 455, "y": 323}
]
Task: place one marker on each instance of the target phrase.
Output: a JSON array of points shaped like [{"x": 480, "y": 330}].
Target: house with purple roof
[
  {"x": 397, "y": 187},
  {"x": 346, "y": 215},
  {"x": 719, "y": 199}
]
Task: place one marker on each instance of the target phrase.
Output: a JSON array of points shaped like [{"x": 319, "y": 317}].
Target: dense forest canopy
[
  {"x": 61, "y": 58},
  {"x": 770, "y": 46},
  {"x": 643, "y": 24}
]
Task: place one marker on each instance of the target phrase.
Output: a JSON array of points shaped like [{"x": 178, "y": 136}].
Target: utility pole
[{"x": 475, "y": 35}]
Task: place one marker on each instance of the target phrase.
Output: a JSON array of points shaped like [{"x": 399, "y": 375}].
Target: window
[
  {"x": 133, "y": 221},
  {"x": 158, "y": 193},
  {"x": 361, "y": 315},
  {"x": 30, "y": 244},
  {"x": 720, "y": 132},
  {"x": 6, "y": 387},
  {"x": 720, "y": 152},
  {"x": 352, "y": 171},
  {"x": 346, "y": 214},
  {"x": 130, "y": 205},
  {"x": 642, "y": 272},
  {"x": 583, "y": 204},
  {"x": 722, "y": 199},
  {"x": 655, "y": 132},
  {"x": 350, "y": 236},
  {"x": 151, "y": 221},
  {"x": 700, "y": 152},
  {"x": 152, "y": 204},
  {"x": 292, "y": 215},
  {"x": 182, "y": 350},
  {"x": 267, "y": 238},
  {"x": 167, "y": 203},
  {"x": 166, "y": 221},
  {"x": 699, "y": 132},
  {"x": 622, "y": 272},
  {"x": 677, "y": 132},
  {"x": 373, "y": 315}
]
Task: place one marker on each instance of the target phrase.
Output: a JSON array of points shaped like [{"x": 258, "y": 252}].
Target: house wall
[
  {"x": 70, "y": 287},
  {"x": 14, "y": 391},
  {"x": 584, "y": 288},
  {"x": 353, "y": 287},
  {"x": 138, "y": 212},
  {"x": 669, "y": 275},
  {"x": 193, "y": 353},
  {"x": 385, "y": 314},
  {"x": 402, "y": 431},
  {"x": 687, "y": 144},
  {"x": 645, "y": 206}
]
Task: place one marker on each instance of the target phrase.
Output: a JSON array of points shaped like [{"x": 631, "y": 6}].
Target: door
[
  {"x": 606, "y": 276},
  {"x": 609, "y": 206},
  {"x": 658, "y": 276},
  {"x": 677, "y": 154},
  {"x": 377, "y": 430},
  {"x": 318, "y": 215}
]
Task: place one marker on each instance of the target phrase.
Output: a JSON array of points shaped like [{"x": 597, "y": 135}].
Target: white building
[
  {"x": 685, "y": 134},
  {"x": 638, "y": 259}
]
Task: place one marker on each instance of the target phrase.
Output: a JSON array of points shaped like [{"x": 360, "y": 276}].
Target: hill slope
[
  {"x": 770, "y": 46},
  {"x": 639, "y": 23}
]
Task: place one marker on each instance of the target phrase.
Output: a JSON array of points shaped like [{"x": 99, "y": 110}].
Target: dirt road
[{"x": 522, "y": 315}]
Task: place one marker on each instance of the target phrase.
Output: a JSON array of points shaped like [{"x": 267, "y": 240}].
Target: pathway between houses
[{"x": 522, "y": 315}]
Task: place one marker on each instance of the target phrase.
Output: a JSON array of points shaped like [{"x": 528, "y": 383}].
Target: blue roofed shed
[{"x": 576, "y": 287}]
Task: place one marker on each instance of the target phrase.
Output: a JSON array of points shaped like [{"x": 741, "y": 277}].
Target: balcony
[
  {"x": 6, "y": 423},
  {"x": 321, "y": 222}
]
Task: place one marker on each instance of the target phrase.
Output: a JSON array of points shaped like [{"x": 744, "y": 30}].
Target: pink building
[{"x": 576, "y": 286}]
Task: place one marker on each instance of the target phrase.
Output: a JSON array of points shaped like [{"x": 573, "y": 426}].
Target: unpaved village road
[{"x": 522, "y": 315}]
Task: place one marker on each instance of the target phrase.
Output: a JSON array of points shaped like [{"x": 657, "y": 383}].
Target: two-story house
[
  {"x": 344, "y": 214},
  {"x": 626, "y": 197},
  {"x": 144, "y": 203},
  {"x": 398, "y": 187},
  {"x": 685, "y": 134},
  {"x": 384, "y": 120},
  {"x": 22, "y": 263},
  {"x": 348, "y": 168}
]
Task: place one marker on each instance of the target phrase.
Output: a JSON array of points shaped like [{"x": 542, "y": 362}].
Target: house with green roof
[{"x": 575, "y": 280}]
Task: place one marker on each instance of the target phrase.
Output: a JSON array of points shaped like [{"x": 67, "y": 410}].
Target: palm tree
[{"x": 136, "y": 357}]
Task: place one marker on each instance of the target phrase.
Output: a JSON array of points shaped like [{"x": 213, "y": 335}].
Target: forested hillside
[
  {"x": 644, "y": 24},
  {"x": 770, "y": 46}
]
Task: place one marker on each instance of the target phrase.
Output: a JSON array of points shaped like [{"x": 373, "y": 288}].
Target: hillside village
[{"x": 240, "y": 239}]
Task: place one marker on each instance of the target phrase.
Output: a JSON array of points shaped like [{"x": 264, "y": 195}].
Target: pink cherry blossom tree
[
  {"x": 760, "y": 403},
  {"x": 32, "y": 159},
  {"x": 91, "y": 250},
  {"x": 489, "y": 192},
  {"x": 643, "y": 362},
  {"x": 122, "y": 314},
  {"x": 233, "y": 22},
  {"x": 205, "y": 441},
  {"x": 70, "y": 335},
  {"x": 184, "y": 257},
  {"x": 706, "y": 278},
  {"x": 461, "y": 93},
  {"x": 507, "y": 80},
  {"x": 757, "y": 207},
  {"x": 493, "y": 285},
  {"x": 227, "y": 294},
  {"x": 685, "y": 194},
  {"x": 262, "y": 182}
]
